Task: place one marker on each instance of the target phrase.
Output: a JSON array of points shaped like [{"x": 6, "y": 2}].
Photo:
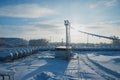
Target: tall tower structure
[
  {"x": 64, "y": 52},
  {"x": 68, "y": 48},
  {"x": 67, "y": 25}
]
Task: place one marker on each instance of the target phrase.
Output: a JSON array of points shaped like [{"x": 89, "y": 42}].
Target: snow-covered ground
[
  {"x": 43, "y": 66},
  {"x": 110, "y": 63}
]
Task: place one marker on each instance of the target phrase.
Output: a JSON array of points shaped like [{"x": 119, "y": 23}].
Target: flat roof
[{"x": 62, "y": 48}]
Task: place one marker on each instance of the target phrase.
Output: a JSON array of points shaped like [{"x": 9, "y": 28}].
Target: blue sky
[{"x": 34, "y": 19}]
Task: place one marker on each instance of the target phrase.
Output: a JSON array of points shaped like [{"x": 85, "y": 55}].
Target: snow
[
  {"x": 102, "y": 57},
  {"x": 109, "y": 61},
  {"x": 28, "y": 67},
  {"x": 40, "y": 63},
  {"x": 44, "y": 76},
  {"x": 82, "y": 66}
]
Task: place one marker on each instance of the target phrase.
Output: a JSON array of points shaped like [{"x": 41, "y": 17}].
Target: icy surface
[{"x": 82, "y": 66}]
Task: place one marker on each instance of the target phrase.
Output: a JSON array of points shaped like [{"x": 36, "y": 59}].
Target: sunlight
[
  {"x": 76, "y": 36},
  {"x": 76, "y": 28}
]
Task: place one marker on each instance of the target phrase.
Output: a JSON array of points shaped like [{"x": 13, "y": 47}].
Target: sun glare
[{"x": 75, "y": 29}]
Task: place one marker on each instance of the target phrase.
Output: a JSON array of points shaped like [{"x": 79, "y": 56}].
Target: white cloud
[
  {"x": 104, "y": 3},
  {"x": 110, "y": 22},
  {"x": 110, "y": 3},
  {"x": 25, "y": 11},
  {"x": 92, "y": 6},
  {"x": 33, "y": 31}
]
